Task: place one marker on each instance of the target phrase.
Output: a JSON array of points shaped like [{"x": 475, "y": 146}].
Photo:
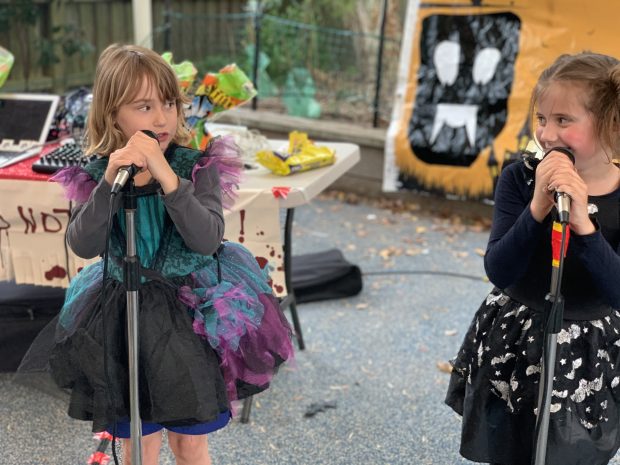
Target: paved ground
[{"x": 375, "y": 356}]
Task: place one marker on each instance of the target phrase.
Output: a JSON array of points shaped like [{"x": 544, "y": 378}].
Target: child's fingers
[{"x": 125, "y": 157}]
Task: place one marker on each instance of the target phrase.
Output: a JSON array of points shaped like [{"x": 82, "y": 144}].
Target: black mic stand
[
  {"x": 554, "y": 312},
  {"x": 131, "y": 277}
]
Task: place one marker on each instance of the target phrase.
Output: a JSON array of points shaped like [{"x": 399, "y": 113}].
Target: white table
[
  {"x": 34, "y": 215},
  {"x": 305, "y": 185}
]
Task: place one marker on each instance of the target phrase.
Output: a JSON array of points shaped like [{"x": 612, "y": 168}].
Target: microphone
[
  {"x": 562, "y": 199},
  {"x": 125, "y": 173}
]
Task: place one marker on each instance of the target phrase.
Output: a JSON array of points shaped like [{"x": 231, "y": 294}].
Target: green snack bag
[
  {"x": 228, "y": 88},
  {"x": 6, "y": 63},
  {"x": 186, "y": 71}
]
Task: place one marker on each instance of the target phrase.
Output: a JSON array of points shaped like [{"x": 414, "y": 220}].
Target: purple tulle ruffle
[
  {"x": 249, "y": 351},
  {"x": 77, "y": 183},
  {"x": 223, "y": 152},
  {"x": 255, "y": 360}
]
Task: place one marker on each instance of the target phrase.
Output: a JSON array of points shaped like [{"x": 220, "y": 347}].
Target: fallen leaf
[{"x": 446, "y": 367}]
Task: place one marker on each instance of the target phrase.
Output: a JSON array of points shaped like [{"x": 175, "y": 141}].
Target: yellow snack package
[{"x": 302, "y": 155}]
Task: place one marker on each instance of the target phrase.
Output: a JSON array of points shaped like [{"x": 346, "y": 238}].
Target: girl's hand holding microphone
[
  {"x": 143, "y": 151},
  {"x": 556, "y": 173}
]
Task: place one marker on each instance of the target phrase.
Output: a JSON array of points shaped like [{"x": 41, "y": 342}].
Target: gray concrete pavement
[{"x": 375, "y": 355}]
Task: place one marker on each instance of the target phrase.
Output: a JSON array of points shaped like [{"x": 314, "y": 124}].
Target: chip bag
[
  {"x": 226, "y": 89},
  {"x": 302, "y": 155},
  {"x": 220, "y": 91},
  {"x": 6, "y": 63},
  {"x": 186, "y": 71}
]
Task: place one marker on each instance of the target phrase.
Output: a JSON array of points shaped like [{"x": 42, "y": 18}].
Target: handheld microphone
[
  {"x": 125, "y": 173},
  {"x": 562, "y": 199}
]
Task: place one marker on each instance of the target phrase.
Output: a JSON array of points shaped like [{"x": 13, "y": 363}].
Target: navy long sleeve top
[{"x": 518, "y": 256}]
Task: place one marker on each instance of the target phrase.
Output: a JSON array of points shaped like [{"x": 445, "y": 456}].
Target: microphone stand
[
  {"x": 131, "y": 272},
  {"x": 554, "y": 311}
]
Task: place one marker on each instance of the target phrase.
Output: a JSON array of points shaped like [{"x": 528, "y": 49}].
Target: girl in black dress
[{"x": 496, "y": 376}]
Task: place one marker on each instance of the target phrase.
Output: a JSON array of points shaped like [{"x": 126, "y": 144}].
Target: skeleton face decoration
[{"x": 464, "y": 82}]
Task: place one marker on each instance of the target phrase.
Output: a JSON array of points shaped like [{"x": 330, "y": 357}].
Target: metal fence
[
  {"x": 303, "y": 69},
  {"x": 300, "y": 69}
]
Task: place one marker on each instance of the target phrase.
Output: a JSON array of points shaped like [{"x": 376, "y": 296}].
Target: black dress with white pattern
[{"x": 495, "y": 381}]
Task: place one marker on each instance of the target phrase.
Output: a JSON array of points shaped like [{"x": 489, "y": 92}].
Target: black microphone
[
  {"x": 125, "y": 173},
  {"x": 562, "y": 199}
]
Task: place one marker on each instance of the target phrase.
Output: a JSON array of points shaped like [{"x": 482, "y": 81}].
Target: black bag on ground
[
  {"x": 324, "y": 275},
  {"x": 24, "y": 312}
]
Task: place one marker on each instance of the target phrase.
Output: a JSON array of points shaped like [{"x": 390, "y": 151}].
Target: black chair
[{"x": 25, "y": 309}]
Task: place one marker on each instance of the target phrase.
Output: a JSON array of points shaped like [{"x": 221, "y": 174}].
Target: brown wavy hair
[
  {"x": 599, "y": 76},
  {"x": 120, "y": 72}
]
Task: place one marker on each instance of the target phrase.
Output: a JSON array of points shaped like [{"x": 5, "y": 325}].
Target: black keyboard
[{"x": 66, "y": 155}]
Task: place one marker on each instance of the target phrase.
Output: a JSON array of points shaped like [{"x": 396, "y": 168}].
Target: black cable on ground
[{"x": 425, "y": 272}]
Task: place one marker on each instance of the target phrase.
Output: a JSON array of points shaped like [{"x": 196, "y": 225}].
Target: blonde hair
[
  {"x": 599, "y": 76},
  {"x": 120, "y": 72}
]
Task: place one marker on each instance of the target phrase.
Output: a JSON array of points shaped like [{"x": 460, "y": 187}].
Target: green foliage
[
  {"x": 21, "y": 16},
  {"x": 68, "y": 39},
  {"x": 20, "y": 12},
  {"x": 327, "y": 13},
  {"x": 294, "y": 45},
  {"x": 296, "y": 33}
]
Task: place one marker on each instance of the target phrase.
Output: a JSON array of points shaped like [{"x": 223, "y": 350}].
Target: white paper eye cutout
[
  {"x": 446, "y": 59},
  {"x": 485, "y": 65}
]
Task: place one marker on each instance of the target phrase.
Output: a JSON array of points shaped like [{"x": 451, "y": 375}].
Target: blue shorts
[{"x": 123, "y": 428}]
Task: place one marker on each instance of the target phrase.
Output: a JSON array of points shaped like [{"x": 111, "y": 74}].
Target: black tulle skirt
[
  {"x": 180, "y": 381},
  {"x": 495, "y": 381}
]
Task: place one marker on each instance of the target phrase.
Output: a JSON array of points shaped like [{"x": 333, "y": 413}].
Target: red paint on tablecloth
[
  {"x": 262, "y": 262},
  {"x": 242, "y": 232},
  {"x": 55, "y": 272}
]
